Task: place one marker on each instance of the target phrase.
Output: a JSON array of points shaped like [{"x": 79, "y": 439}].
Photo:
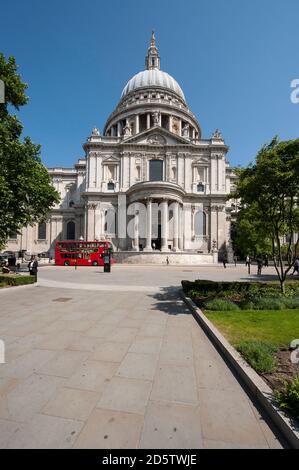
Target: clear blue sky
[{"x": 234, "y": 59}]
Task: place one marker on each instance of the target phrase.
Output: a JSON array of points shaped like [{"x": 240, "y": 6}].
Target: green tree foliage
[
  {"x": 26, "y": 192},
  {"x": 268, "y": 191}
]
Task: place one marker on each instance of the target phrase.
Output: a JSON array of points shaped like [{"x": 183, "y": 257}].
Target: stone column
[
  {"x": 164, "y": 225},
  {"x": 181, "y": 227},
  {"x": 118, "y": 129},
  {"x": 180, "y": 127},
  {"x": 136, "y": 231},
  {"x": 175, "y": 226},
  {"x": 122, "y": 222},
  {"x": 170, "y": 123},
  {"x": 137, "y": 124},
  {"x": 148, "y": 246},
  {"x": 91, "y": 208},
  {"x": 97, "y": 222},
  {"x": 148, "y": 120}
]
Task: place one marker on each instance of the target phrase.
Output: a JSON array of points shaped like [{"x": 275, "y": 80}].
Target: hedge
[{"x": 16, "y": 279}]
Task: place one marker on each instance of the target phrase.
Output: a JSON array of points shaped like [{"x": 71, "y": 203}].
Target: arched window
[
  {"x": 156, "y": 170},
  {"x": 200, "y": 223},
  {"x": 42, "y": 231},
  {"x": 70, "y": 230},
  {"x": 110, "y": 186},
  {"x": 200, "y": 188}
]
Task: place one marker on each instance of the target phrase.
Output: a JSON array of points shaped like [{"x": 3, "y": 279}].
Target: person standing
[
  {"x": 235, "y": 260},
  {"x": 259, "y": 266},
  {"x": 266, "y": 263},
  {"x": 248, "y": 263},
  {"x": 33, "y": 266}
]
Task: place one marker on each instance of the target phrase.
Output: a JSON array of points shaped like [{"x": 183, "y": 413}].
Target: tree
[
  {"x": 269, "y": 193},
  {"x": 26, "y": 192}
]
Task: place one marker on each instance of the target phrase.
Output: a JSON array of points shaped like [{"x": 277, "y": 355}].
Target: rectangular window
[{"x": 156, "y": 170}]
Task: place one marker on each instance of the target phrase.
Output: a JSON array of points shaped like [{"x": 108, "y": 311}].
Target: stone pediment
[
  {"x": 110, "y": 159},
  {"x": 156, "y": 136}
]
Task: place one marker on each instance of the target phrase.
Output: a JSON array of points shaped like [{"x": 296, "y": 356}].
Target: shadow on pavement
[{"x": 170, "y": 302}]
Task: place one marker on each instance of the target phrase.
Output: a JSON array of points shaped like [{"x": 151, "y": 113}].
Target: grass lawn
[{"x": 278, "y": 327}]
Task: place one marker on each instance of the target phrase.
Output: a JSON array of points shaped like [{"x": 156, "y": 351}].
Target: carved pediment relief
[
  {"x": 111, "y": 159},
  {"x": 200, "y": 161},
  {"x": 156, "y": 139}
]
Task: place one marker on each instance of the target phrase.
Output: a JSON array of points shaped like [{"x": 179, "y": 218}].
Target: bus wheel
[
  {"x": 95, "y": 263},
  {"x": 66, "y": 263}
]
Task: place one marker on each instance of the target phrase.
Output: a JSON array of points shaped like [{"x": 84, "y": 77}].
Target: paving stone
[
  {"x": 152, "y": 329},
  {"x": 28, "y": 397},
  {"x": 175, "y": 383},
  {"x": 110, "y": 352},
  {"x": 123, "y": 394},
  {"x": 171, "y": 426},
  {"x": 226, "y": 416},
  {"x": 58, "y": 341},
  {"x": 7, "y": 429},
  {"x": 99, "y": 331},
  {"x": 107, "y": 429},
  {"x": 64, "y": 363},
  {"x": 123, "y": 335},
  {"x": 45, "y": 432},
  {"x": 146, "y": 345},
  {"x": 71, "y": 403},
  {"x": 138, "y": 366},
  {"x": 25, "y": 365},
  {"x": 92, "y": 375},
  {"x": 178, "y": 352},
  {"x": 215, "y": 374},
  {"x": 85, "y": 343},
  {"x": 213, "y": 444}
]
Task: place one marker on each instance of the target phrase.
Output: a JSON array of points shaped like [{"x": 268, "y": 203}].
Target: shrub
[
  {"x": 247, "y": 305},
  {"x": 220, "y": 304},
  {"x": 291, "y": 302},
  {"x": 288, "y": 398},
  {"x": 267, "y": 303},
  {"x": 259, "y": 355},
  {"x": 15, "y": 279}
]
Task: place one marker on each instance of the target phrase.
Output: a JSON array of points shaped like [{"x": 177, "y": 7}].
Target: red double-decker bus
[{"x": 81, "y": 253}]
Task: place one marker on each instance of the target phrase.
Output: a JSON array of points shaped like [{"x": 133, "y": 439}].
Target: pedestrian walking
[
  {"x": 235, "y": 260},
  {"x": 33, "y": 267},
  {"x": 259, "y": 266},
  {"x": 266, "y": 261},
  {"x": 167, "y": 260},
  {"x": 224, "y": 261},
  {"x": 296, "y": 266}
]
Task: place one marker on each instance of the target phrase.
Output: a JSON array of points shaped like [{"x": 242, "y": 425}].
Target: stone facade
[{"x": 150, "y": 182}]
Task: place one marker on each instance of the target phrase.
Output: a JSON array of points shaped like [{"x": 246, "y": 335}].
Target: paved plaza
[{"x": 116, "y": 360}]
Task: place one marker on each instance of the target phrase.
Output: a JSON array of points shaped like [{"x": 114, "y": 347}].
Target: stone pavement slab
[{"x": 130, "y": 369}]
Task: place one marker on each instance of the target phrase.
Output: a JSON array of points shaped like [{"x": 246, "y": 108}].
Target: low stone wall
[{"x": 133, "y": 257}]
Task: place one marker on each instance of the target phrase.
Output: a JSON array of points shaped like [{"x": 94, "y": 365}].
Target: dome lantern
[{"x": 152, "y": 60}]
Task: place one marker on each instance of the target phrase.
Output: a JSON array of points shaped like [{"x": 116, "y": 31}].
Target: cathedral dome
[{"x": 153, "y": 78}]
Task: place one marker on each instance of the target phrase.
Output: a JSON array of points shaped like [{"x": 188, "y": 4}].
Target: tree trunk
[{"x": 282, "y": 286}]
